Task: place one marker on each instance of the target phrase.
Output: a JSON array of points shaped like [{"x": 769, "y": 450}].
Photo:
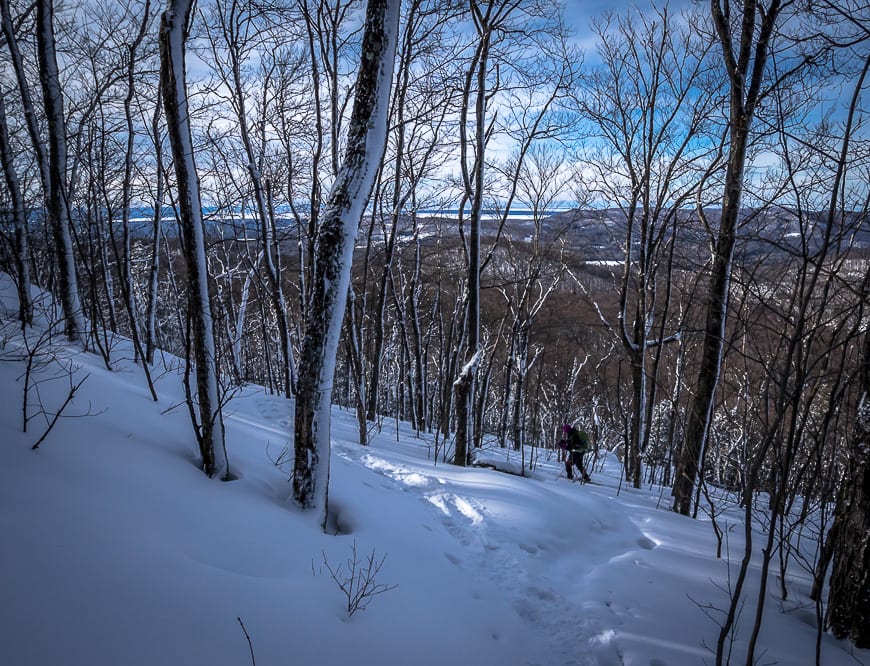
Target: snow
[{"x": 118, "y": 550}]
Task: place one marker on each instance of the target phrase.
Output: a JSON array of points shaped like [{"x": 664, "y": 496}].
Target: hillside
[{"x": 119, "y": 551}]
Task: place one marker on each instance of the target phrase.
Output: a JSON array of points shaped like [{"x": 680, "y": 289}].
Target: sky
[
  {"x": 118, "y": 550},
  {"x": 579, "y": 14}
]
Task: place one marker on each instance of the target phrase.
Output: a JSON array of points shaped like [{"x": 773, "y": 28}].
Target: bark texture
[
  {"x": 334, "y": 252},
  {"x": 56, "y": 195},
  {"x": 848, "y": 614},
  {"x": 210, "y": 434}
]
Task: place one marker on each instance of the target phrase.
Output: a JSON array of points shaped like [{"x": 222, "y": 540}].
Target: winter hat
[{"x": 566, "y": 428}]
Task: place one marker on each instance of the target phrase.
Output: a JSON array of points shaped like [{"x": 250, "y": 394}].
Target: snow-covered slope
[{"x": 118, "y": 551}]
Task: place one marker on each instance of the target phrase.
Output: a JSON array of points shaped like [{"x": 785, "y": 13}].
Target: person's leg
[
  {"x": 577, "y": 459},
  {"x": 583, "y": 474},
  {"x": 569, "y": 468}
]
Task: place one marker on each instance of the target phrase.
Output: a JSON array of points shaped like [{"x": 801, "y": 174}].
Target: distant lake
[
  {"x": 140, "y": 217},
  {"x": 492, "y": 213}
]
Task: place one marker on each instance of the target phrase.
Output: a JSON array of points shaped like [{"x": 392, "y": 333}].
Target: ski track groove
[
  {"x": 572, "y": 636},
  {"x": 574, "y": 639}
]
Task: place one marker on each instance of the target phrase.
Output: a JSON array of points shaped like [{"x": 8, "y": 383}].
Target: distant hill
[{"x": 599, "y": 234}]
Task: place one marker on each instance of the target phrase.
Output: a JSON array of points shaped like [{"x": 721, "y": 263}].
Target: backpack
[{"x": 578, "y": 440}]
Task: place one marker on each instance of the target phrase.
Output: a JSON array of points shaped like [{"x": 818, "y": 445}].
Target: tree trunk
[
  {"x": 334, "y": 252},
  {"x": 58, "y": 206},
  {"x": 22, "y": 254},
  {"x": 124, "y": 258},
  {"x": 210, "y": 433},
  {"x": 848, "y": 614},
  {"x": 154, "y": 269},
  {"x": 262, "y": 193},
  {"x": 473, "y": 179},
  {"x": 462, "y": 393},
  {"x": 30, "y": 116},
  {"x": 745, "y": 65}
]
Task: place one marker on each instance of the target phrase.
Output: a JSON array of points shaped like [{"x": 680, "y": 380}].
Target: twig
[
  {"x": 358, "y": 584},
  {"x": 250, "y": 645},
  {"x": 57, "y": 414}
]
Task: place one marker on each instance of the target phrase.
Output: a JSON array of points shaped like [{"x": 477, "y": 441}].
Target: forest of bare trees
[{"x": 449, "y": 213}]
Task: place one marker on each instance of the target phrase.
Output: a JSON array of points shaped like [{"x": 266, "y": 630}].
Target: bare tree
[
  {"x": 650, "y": 104},
  {"x": 30, "y": 118},
  {"x": 57, "y": 195},
  {"x": 476, "y": 92},
  {"x": 505, "y": 60},
  {"x": 848, "y": 613},
  {"x": 802, "y": 329},
  {"x": 20, "y": 249},
  {"x": 238, "y": 34},
  {"x": 418, "y": 113},
  {"x": 334, "y": 250},
  {"x": 532, "y": 269},
  {"x": 209, "y": 429},
  {"x": 123, "y": 255},
  {"x": 745, "y": 56},
  {"x": 154, "y": 246}
]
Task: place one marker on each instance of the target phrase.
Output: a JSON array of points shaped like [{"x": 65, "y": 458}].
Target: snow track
[{"x": 542, "y": 573}]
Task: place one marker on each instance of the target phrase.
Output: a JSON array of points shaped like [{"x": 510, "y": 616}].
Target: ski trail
[
  {"x": 573, "y": 635},
  {"x": 575, "y": 632}
]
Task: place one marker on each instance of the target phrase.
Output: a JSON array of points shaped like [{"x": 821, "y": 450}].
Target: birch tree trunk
[
  {"x": 334, "y": 252},
  {"x": 154, "y": 269},
  {"x": 56, "y": 195},
  {"x": 209, "y": 431}
]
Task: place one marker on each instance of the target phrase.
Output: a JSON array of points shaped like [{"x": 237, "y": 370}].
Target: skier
[{"x": 575, "y": 443}]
